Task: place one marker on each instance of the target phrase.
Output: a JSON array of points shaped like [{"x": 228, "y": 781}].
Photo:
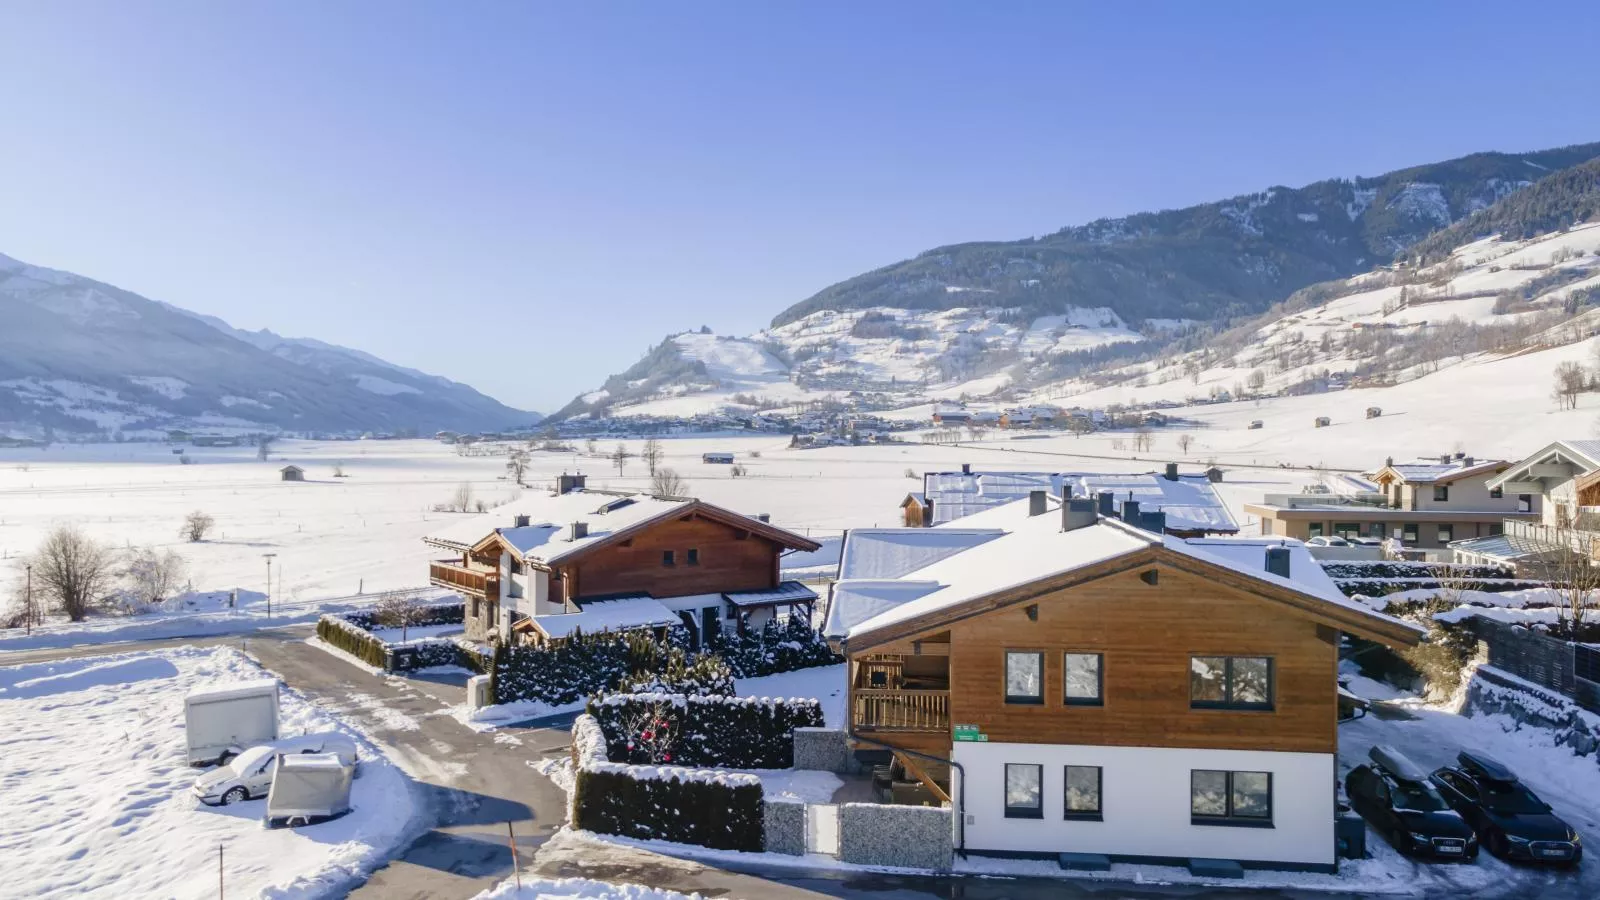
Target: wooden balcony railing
[
  {"x": 460, "y": 578},
  {"x": 887, "y": 710}
]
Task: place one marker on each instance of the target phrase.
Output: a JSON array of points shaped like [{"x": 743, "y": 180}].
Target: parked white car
[
  {"x": 1327, "y": 542},
  {"x": 249, "y": 775}
]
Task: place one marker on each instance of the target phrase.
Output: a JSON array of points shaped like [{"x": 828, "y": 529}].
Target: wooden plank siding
[
  {"x": 1147, "y": 634},
  {"x": 730, "y": 559}
]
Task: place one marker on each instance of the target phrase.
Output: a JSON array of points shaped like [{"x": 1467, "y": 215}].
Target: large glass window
[
  {"x": 1024, "y": 677},
  {"x": 1441, "y": 493},
  {"x": 1082, "y": 792},
  {"x": 1230, "y": 798},
  {"x": 1024, "y": 791},
  {"x": 1446, "y": 534},
  {"x": 1230, "y": 682},
  {"x": 1313, "y": 529},
  {"x": 1083, "y": 679},
  {"x": 1408, "y": 533}
]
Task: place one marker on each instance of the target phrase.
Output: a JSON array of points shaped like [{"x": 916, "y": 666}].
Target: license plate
[
  {"x": 1558, "y": 854},
  {"x": 1449, "y": 849}
]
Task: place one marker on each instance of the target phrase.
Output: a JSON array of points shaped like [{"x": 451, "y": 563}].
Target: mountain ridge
[{"x": 81, "y": 356}]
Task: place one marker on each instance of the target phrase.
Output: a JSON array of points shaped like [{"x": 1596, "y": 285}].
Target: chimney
[
  {"x": 1036, "y": 501},
  {"x": 1106, "y": 500},
  {"x": 566, "y": 484},
  {"x": 763, "y": 517},
  {"x": 1153, "y": 521},
  {"x": 966, "y": 468},
  {"x": 1468, "y": 461},
  {"x": 1388, "y": 461},
  {"x": 1278, "y": 561},
  {"x": 1079, "y": 512},
  {"x": 580, "y": 530},
  {"x": 1066, "y": 491},
  {"x": 1445, "y": 459},
  {"x": 1172, "y": 471},
  {"x": 1130, "y": 511},
  {"x": 520, "y": 522},
  {"x": 1460, "y": 455}
]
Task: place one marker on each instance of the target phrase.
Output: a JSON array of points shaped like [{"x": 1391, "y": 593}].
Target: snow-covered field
[{"x": 95, "y": 789}]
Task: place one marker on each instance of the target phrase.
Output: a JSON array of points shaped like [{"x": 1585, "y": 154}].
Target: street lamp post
[
  {"x": 269, "y": 557},
  {"x": 27, "y": 602}
]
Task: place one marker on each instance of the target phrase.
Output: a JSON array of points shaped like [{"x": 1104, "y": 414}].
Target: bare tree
[
  {"x": 589, "y": 446},
  {"x": 620, "y": 456},
  {"x": 1185, "y": 441},
  {"x": 1080, "y": 425},
  {"x": 1143, "y": 439},
  {"x": 651, "y": 734},
  {"x": 338, "y": 470},
  {"x": 461, "y": 500},
  {"x": 1454, "y": 582},
  {"x": 73, "y": 571},
  {"x": 1571, "y": 573},
  {"x": 264, "y": 447},
  {"x": 398, "y": 610},
  {"x": 195, "y": 526},
  {"x": 666, "y": 483},
  {"x": 1569, "y": 384},
  {"x": 150, "y": 576},
  {"x": 651, "y": 455},
  {"x": 517, "y": 465},
  {"x": 977, "y": 432},
  {"x": 1257, "y": 380}
]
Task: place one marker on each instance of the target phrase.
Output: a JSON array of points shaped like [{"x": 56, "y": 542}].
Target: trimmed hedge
[
  {"x": 776, "y": 647},
  {"x": 432, "y": 614},
  {"x": 580, "y": 666},
  {"x": 706, "y": 676},
  {"x": 720, "y": 810},
  {"x": 349, "y": 632},
  {"x": 1378, "y": 587},
  {"x": 338, "y": 632},
  {"x": 729, "y": 732}
]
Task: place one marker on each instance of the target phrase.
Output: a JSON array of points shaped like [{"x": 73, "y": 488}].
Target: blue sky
[{"x": 526, "y": 196}]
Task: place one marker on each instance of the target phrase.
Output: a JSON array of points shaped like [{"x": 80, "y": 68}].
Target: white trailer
[
  {"x": 308, "y": 788},
  {"x": 224, "y": 721}
]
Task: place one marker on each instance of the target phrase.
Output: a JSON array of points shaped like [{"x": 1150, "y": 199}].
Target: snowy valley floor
[{"x": 95, "y": 789}]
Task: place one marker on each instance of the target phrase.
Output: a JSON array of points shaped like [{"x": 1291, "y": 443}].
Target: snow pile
[
  {"x": 578, "y": 889},
  {"x": 97, "y": 799}
]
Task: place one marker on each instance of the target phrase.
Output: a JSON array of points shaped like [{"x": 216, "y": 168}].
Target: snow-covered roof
[
  {"x": 1498, "y": 546},
  {"x": 892, "y": 552},
  {"x": 787, "y": 592},
  {"x": 550, "y": 516},
  {"x": 1191, "y": 502},
  {"x": 1032, "y": 548},
  {"x": 1581, "y": 455},
  {"x": 617, "y": 614},
  {"x": 1425, "y": 471}
]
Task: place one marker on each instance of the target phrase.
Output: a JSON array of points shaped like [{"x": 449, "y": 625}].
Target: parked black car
[
  {"x": 1511, "y": 821},
  {"x": 1395, "y": 796}
]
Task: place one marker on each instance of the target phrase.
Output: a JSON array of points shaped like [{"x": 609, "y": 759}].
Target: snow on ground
[
  {"x": 577, "y": 889},
  {"x": 824, "y": 683},
  {"x": 95, "y": 789}
]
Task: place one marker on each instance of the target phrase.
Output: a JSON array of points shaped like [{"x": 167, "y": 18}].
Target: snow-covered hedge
[
  {"x": 348, "y": 632},
  {"x": 1384, "y": 569},
  {"x": 422, "y": 616},
  {"x": 706, "y": 676},
  {"x": 564, "y": 672},
  {"x": 1378, "y": 587},
  {"x": 688, "y": 729},
  {"x": 777, "y": 647},
  {"x": 722, "y": 810}
]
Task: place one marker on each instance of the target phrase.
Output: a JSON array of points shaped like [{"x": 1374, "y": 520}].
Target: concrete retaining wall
[
  {"x": 825, "y": 749},
  {"x": 785, "y": 825},
  {"x": 916, "y": 837}
]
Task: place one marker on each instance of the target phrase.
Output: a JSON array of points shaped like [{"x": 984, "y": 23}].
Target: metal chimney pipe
[{"x": 1036, "y": 503}]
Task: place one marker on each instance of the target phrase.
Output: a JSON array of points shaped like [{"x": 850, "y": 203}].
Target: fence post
[
  {"x": 219, "y": 872},
  {"x": 516, "y": 868}
]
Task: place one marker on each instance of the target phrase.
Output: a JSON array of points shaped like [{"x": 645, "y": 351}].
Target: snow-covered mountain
[
  {"x": 78, "y": 356},
  {"x": 1079, "y": 309}
]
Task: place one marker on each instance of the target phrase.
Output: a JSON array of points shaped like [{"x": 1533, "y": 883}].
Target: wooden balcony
[
  {"x": 876, "y": 709},
  {"x": 456, "y": 577}
]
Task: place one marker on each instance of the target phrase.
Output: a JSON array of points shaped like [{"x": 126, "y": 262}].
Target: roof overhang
[{"x": 1554, "y": 462}]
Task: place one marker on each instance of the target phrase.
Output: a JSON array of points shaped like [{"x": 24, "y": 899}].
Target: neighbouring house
[
  {"x": 544, "y": 566},
  {"x": 915, "y": 511},
  {"x": 1073, "y": 683},
  {"x": 951, "y": 414},
  {"x": 1558, "y": 496},
  {"x": 1425, "y": 504},
  {"x": 1190, "y": 503},
  {"x": 725, "y": 459},
  {"x": 1374, "y": 412},
  {"x": 292, "y": 473}
]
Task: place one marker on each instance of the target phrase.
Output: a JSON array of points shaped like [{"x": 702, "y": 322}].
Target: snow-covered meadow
[{"x": 95, "y": 789}]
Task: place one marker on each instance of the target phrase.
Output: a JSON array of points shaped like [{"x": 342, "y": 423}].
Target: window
[
  {"x": 1347, "y": 529},
  {"x": 669, "y": 558},
  {"x": 1230, "y": 682},
  {"x": 1024, "y": 677},
  {"x": 1497, "y": 493},
  {"x": 1083, "y": 679},
  {"x": 1081, "y": 792},
  {"x": 693, "y": 556},
  {"x": 1024, "y": 791},
  {"x": 1409, "y": 533},
  {"x": 1441, "y": 493},
  {"x": 1376, "y": 530},
  {"x": 1313, "y": 529},
  {"x": 1524, "y": 503},
  {"x": 1230, "y": 798},
  {"x": 1446, "y": 534}
]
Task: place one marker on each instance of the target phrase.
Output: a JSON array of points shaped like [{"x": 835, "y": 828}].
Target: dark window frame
[
  {"x": 1410, "y": 532},
  {"x": 669, "y": 558},
  {"x": 1099, "y": 698},
  {"x": 1313, "y": 529},
  {"x": 1085, "y": 815},
  {"x": 1005, "y": 684},
  {"x": 1441, "y": 493},
  {"x": 1446, "y": 533},
  {"x": 1231, "y": 819},
  {"x": 1525, "y": 503},
  {"x": 1228, "y": 703},
  {"x": 1498, "y": 493},
  {"x": 691, "y": 556},
  {"x": 1021, "y": 812}
]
